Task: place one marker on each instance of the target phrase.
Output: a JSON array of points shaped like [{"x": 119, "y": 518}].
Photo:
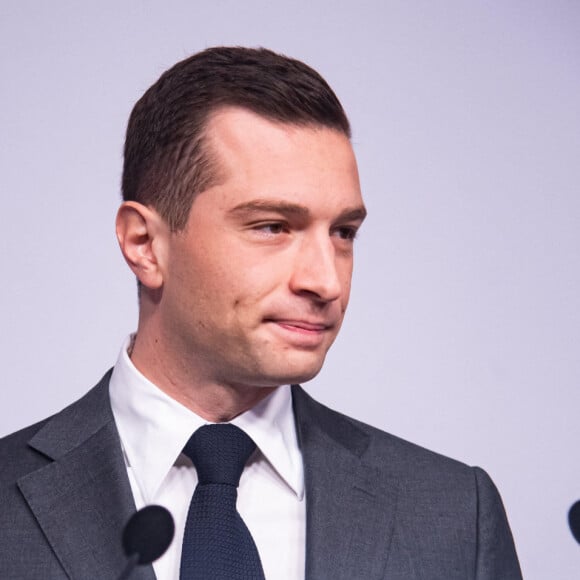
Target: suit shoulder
[
  {"x": 34, "y": 446},
  {"x": 450, "y": 521},
  {"x": 16, "y": 456},
  {"x": 386, "y": 445},
  {"x": 384, "y": 450}
]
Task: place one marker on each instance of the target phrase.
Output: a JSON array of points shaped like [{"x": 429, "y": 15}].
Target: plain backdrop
[{"x": 463, "y": 332}]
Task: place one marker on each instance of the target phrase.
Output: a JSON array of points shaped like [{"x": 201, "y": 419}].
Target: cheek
[
  {"x": 206, "y": 274},
  {"x": 346, "y": 278},
  {"x": 258, "y": 280}
]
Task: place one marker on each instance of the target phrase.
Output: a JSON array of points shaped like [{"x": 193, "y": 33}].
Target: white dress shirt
[{"x": 154, "y": 429}]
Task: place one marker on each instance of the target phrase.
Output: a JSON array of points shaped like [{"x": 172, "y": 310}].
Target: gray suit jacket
[{"x": 378, "y": 507}]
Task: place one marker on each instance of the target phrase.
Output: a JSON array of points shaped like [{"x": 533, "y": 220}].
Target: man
[{"x": 241, "y": 205}]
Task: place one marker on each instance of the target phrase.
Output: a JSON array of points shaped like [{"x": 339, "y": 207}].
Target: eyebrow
[
  {"x": 355, "y": 214},
  {"x": 284, "y": 207}
]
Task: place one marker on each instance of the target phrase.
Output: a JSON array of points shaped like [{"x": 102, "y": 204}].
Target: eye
[
  {"x": 272, "y": 228},
  {"x": 346, "y": 232}
]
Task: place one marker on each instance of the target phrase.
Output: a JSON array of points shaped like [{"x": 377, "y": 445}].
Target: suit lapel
[
  {"x": 350, "y": 509},
  {"x": 82, "y": 498}
]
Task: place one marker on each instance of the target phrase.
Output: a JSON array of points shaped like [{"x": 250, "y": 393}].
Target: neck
[{"x": 213, "y": 401}]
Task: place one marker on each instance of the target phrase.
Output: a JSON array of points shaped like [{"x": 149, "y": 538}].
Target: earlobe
[{"x": 141, "y": 233}]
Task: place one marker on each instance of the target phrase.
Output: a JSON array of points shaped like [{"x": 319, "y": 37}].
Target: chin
[
  {"x": 275, "y": 368},
  {"x": 298, "y": 373}
]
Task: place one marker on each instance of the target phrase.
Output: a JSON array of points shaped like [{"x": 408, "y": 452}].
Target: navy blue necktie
[{"x": 217, "y": 544}]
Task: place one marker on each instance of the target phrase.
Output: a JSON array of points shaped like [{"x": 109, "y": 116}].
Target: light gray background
[{"x": 463, "y": 330}]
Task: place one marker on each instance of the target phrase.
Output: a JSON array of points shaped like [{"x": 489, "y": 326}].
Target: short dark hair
[{"x": 166, "y": 161}]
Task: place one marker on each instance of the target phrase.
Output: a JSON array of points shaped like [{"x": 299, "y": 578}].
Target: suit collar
[
  {"x": 75, "y": 424},
  {"x": 86, "y": 485},
  {"x": 349, "y": 503},
  {"x": 82, "y": 498}
]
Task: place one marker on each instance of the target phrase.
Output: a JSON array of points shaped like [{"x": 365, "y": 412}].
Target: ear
[{"x": 143, "y": 236}]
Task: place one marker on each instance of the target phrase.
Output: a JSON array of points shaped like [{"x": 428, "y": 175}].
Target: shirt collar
[{"x": 154, "y": 428}]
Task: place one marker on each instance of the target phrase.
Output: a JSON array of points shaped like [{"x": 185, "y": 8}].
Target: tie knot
[{"x": 219, "y": 453}]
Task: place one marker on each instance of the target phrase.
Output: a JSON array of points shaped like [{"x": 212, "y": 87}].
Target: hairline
[{"x": 212, "y": 174}]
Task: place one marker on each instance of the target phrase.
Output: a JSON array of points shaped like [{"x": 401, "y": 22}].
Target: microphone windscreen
[
  {"x": 574, "y": 520},
  {"x": 148, "y": 533}
]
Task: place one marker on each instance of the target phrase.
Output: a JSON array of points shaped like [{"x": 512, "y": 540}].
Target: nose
[{"x": 317, "y": 269}]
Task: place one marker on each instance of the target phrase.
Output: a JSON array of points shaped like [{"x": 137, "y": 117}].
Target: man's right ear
[{"x": 143, "y": 234}]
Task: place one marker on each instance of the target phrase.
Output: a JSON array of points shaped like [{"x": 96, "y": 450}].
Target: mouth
[
  {"x": 302, "y": 334},
  {"x": 302, "y": 326}
]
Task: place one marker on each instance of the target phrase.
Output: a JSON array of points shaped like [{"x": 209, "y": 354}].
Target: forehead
[{"x": 270, "y": 158}]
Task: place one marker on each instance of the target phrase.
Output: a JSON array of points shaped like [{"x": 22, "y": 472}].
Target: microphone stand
[{"x": 131, "y": 565}]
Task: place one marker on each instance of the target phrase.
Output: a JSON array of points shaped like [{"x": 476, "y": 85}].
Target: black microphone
[
  {"x": 146, "y": 536},
  {"x": 574, "y": 520}
]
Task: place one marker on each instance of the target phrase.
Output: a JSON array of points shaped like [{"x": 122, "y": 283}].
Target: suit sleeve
[{"x": 496, "y": 557}]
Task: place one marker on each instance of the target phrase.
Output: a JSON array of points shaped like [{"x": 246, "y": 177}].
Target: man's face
[{"x": 256, "y": 286}]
